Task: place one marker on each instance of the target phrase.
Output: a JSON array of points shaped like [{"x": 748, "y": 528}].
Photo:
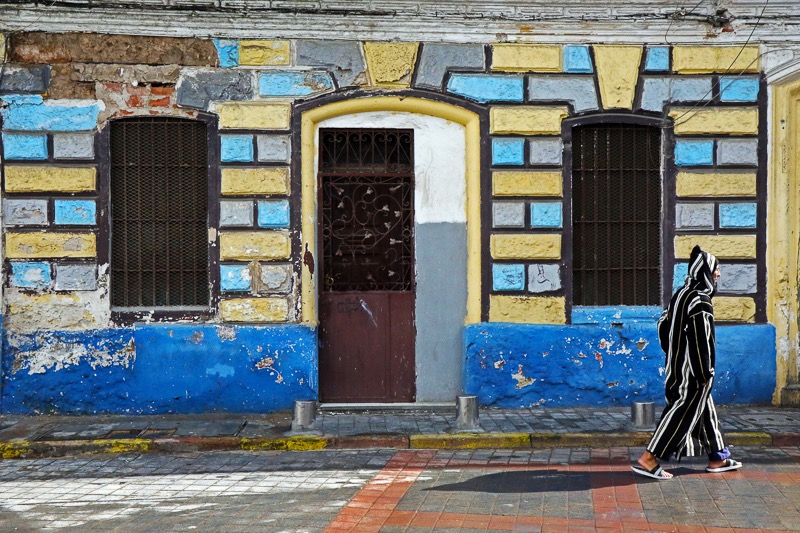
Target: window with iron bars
[
  {"x": 616, "y": 214},
  {"x": 159, "y": 214}
]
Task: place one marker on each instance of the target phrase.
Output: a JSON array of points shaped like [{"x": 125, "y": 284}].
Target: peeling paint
[
  {"x": 226, "y": 333},
  {"x": 522, "y": 381},
  {"x": 642, "y": 343},
  {"x": 56, "y": 355}
]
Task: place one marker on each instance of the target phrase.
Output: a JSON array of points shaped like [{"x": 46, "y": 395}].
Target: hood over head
[{"x": 701, "y": 270}]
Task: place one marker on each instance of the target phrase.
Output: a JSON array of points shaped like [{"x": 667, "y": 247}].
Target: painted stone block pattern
[
  {"x": 738, "y": 279},
  {"x": 508, "y": 214},
  {"x": 657, "y": 59},
  {"x": 487, "y": 87},
  {"x": 274, "y": 148},
  {"x": 254, "y": 310},
  {"x": 236, "y": 148},
  {"x": 255, "y": 181},
  {"x": 35, "y": 179},
  {"x": 50, "y": 244},
  {"x": 246, "y": 245},
  {"x": 253, "y": 115},
  {"x": 546, "y": 151},
  {"x": 617, "y": 74},
  {"x": 509, "y": 151},
  {"x": 23, "y": 146},
  {"x": 75, "y": 212},
  {"x": 236, "y": 213},
  {"x": 694, "y": 153},
  {"x": 32, "y": 113},
  {"x": 544, "y": 277},
  {"x": 723, "y": 120},
  {"x": 738, "y": 215},
  {"x": 526, "y": 183},
  {"x": 228, "y": 52},
  {"x": 527, "y": 309},
  {"x": 292, "y": 84},
  {"x": 343, "y": 58},
  {"x": 508, "y": 277},
  {"x": 197, "y": 88},
  {"x": 235, "y": 278},
  {"x": 708, "y": 59},
  {"x": 273, "y": 213},
  {"x": 734, "y": 89},
  {"x": 28, "y": 212},
  {"x": 694, "y": 216},
  {"x": 546, "y": 214},
  {"x": 577, "y": 59},
  {"x": 256, "y": 53},
  {"x": 30, "y": 275},
  {"x": 21, "y": 79},
  {"x": 390, "y": 64},
  {"x": 716, "y": 184},
  {"x": 514, "y": 57},
  {"x": 77, "y": 277},
  {"x": 656, "y": 92},
  {"x": 527, "y": 120},
  {"x": 525, "y": 246},
  {"x": 437, "y": 58},
  {"x": 680, "y": 271},
  {"x": 734, "y": 309},
  {"x": 723, "y": 246},
  {"x": 737, "y": 152},
  {"x": 73, "y": 146},
  {"x": 577, "y": 90},
  {"x": 275, "y": 277}
]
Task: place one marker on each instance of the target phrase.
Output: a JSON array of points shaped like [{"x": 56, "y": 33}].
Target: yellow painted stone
[
  {"x": 617, "y": 74},
  {"x": 527, "y": 309},
  {"x": 390, "y": 64},
  {"x": 734, "y": 309},
  {"x": 42, "y": 244},
  {"x": 248, "y": 245},
  {"x": 526, "y": 246},
  {"x": 254, "y": 115},
  {"x": 527, "y": 57},
  {"x": 528, "y": 120},
  {"x": 736, "y": 121},
  {"x": 716, "y": 184},
  {"x": 722, "y": 246},
  {"x": 708, "y": 59},
  {"x": 526, "y": 183},
  {"x": 250, "y": 181},
  {"x": 50, "y": 179},
  {"x": 254, "y": 310},
  {"x": 255, "y": 53}
]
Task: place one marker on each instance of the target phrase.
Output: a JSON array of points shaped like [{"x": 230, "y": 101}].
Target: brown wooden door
[{"x": 366, "y": 306}]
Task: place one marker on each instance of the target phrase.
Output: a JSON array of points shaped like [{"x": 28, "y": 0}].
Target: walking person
[{"x": 686, "y": 334}]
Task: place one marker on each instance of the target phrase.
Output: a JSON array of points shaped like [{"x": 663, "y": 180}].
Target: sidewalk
[{"x": 52, "y": 436}]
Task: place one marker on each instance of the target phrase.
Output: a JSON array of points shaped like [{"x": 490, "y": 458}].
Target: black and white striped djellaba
[{"x": 686, "y": 334}]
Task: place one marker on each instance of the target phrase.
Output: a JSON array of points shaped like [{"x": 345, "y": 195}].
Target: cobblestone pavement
[{"x": 397, "y": 491}]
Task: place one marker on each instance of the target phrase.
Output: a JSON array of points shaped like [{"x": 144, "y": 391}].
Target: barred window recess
[
  {"x": 159, "y": 214},
  {"x": 616, "y": 220}
]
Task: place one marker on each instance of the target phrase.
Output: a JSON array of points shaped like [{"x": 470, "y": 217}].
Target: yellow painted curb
[
  {"x": 470, "y": 441},
  {"x": 748, "y": 438},
  {"x": 14, "y": 450},
  {"x": 297, "y": 444},
  {"x": 588, "y": 440},
  {"x": 123, "y": 445}
]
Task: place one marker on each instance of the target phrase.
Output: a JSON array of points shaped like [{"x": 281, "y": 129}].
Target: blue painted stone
[
  {"x": 694, "y": 152},
  {"x": 508, "y": 277},
  {"x": 236, "y": 148},
  {"x": 738, "y": 215},
  {"x": 546, "y": 214},
  {"x": 680, "y": 271},
  {"x": 577, "y": 90},
  {"x": 273, "y": 213},
  {"x": 658, "y": 91},
  {"x": 234, "y": 278},
  {"x": 160, "y": 368},
  {"x": 228, "y": 52},
  {"x": 657, "y": 59},
  {"x": 288, "y": 83},
  {"x": 615, "y": 314},
  {"x": 75, "y": 212},
  {"x": 577, "y": 59},
  {"x": 485, "y": 88},
  {"x": 24, "y": 146},
  {"x": 524, "y": 365},
  {"x": 508, "y": 151},
  {"x": 733, "y": 89},
  {"x": 30, "y": 275},
  {"x": 28, "y": 114}
]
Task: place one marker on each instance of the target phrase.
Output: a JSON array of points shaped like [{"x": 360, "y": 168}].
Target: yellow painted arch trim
[{"x": 309, "y": 124}]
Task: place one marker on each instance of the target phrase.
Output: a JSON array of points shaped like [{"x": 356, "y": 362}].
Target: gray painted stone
[
  {"x": 274, "y": 148},
  {"x": 25, "y": 79},
  {"x": 546, "y": 151},
  {"x": 25, "y": 212},
  {"x": 234, "y": 213},
  {"x": 739, "y": 279},
  {"x": 544, "y": 277},
  {"x": 508, "y": 214},
  {"x": 657, "y": 91},
  {"x": 342, "y": 57},
  {"x": 737, "y": 151},
  {"x": 694, "y": 216},
  {"x": 436, "y": 58},
  {"x": 73, "y": 146},
  {"x": 441, "y": 307},
  {"x": 578, "y": 90},
  {"x": 120, "y": 73},
  {"x": 197, "y": 88},
  {"x": 276, "y": 277},
  {"x": 76, "y": 277}
]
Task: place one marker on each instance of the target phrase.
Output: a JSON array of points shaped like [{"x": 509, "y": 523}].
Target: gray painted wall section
[{"x": 440, "y": 309}]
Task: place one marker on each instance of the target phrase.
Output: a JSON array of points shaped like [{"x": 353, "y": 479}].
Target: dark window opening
[
  {"x": 616, "y": 215},
  {"x": 159, "y": 213}
]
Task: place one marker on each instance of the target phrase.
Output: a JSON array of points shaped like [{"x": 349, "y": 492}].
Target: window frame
[{"x": 124, "y": 316}]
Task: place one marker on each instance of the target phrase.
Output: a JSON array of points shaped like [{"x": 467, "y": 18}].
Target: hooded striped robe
[{"x": 686, "y": 334}]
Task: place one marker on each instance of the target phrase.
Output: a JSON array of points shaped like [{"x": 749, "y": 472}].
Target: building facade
[{"x": 229, "y": 206}]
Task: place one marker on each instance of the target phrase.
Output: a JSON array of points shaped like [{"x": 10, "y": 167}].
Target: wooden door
[{"x": 366, "y": 309}]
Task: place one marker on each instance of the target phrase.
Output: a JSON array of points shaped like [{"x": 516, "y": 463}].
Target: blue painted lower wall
[
  {"x": 159, "y": 369},
  {"x": 521, "y": 365}
]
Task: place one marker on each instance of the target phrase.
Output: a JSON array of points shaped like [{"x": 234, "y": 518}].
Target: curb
[{"x": 23, "y": 449}]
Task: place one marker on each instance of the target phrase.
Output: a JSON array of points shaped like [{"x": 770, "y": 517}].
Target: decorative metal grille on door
[
  {"x": 367, "y": 209},
  {"x": 159, "y": 213},
  {"x": 616, "y": 214}
]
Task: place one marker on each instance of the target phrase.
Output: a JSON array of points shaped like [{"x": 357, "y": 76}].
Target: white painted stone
[{"x": 544, "y": 277}]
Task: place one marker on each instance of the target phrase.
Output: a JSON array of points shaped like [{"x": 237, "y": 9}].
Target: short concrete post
[
  {"x": 467, "y": 413},
  {"x": 304, "y": 416},
  {"x": 643, "y": 414}
]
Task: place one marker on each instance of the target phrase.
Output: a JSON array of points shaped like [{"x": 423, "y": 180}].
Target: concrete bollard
[
  {"x": 467, "y": 413},
  {"x": 643, "y": 414},
  {"x": 304, "y": 416}
]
